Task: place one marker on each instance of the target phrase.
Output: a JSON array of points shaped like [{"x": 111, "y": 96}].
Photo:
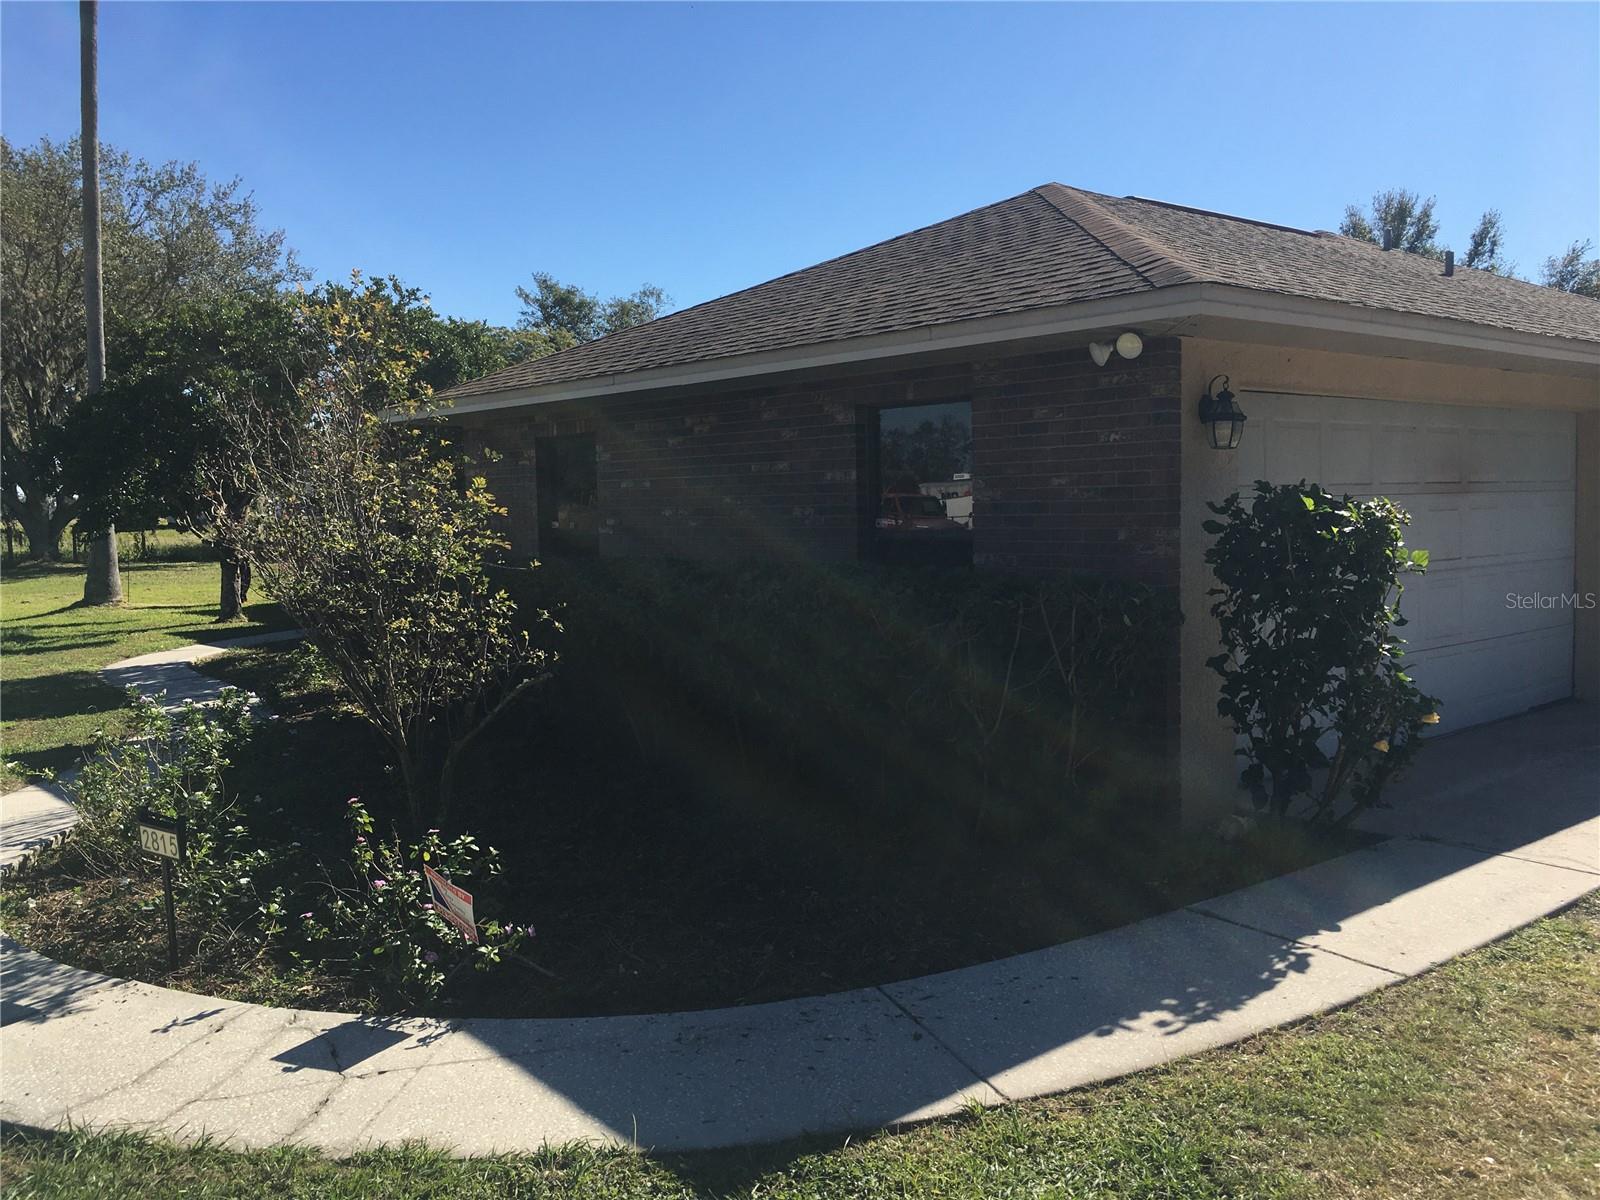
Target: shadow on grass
[{"x": 70, "y": 694}]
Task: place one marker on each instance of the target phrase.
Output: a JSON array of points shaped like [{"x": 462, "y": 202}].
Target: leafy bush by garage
[{"x": 1312, "y": 675}]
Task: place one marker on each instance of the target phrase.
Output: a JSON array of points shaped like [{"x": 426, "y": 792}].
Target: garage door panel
[
  {"x": 1401, "y": 452},
  {"x": 1347, "y": 456},
  {"x": 1294, "y": 451},
  {"x": 1435, "y": 525},
  {"x": 1490, "y": 492},
  {"x": 1485, "y": 681},
  {"x": 1434, "y": 607},
  {"x": 1557, "y": 462},
  {"x": 1469, "y": 603}
]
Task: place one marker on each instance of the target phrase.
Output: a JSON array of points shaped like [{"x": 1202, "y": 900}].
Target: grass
[
  {"x": 51, "y": 646},
  {"x": 1479, "y": 1080},
  {"x": 162, "y": 544}
]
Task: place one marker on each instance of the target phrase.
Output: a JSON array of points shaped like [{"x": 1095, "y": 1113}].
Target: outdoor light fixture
[
  {"x": 1217, "y": 410},
  {"x": 1129, "y": 345}
]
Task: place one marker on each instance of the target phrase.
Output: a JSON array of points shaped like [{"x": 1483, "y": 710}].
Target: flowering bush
[
  {"x": 1307, "y": 606},
  {"x": 380, "y": 928}
]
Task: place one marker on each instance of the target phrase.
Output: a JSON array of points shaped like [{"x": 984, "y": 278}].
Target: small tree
[
  {"x": 369, "y": 534},
  {"x": 1308, "y": 600}
]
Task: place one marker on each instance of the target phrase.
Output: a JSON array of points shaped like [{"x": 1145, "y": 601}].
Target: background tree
[
  {"x": 558, "y": 315},
  {"x": 1574, "y": 271},
  {"x": 1483, "y": 248},
  {"x": 159, "y": 439},
  {"x": 1407, "y": 222},
  {"x": 1397, "y": 219},
  {"x": 166, "y": 234},
  {"x": 449, "y": 350},
  {"x": 370, "y": 534}
]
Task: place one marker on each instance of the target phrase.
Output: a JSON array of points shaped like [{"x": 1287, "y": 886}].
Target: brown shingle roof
[{"x": 1051, "y": 246}]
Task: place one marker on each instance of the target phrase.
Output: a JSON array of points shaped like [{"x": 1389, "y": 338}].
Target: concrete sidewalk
[
  {"x": 32, "y": 817},
  {"x": 40, "y": 813},
  {"x": 86, "y": 1049}
]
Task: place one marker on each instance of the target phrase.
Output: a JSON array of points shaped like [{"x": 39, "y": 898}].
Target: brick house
[{"x": 823, "y": 414}]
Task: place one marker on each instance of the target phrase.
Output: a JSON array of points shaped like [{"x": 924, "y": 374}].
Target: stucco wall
[{"x": 1208, "y": 766}]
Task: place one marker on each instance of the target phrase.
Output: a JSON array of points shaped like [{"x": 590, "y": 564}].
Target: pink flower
[
  {"x": 429, "y": 956},
  {"x": 355, "y": 800},
  {"x": 361, "y": 841},
  {"x": 305, "y": 916},
  {"x": 379, "y": 884}
]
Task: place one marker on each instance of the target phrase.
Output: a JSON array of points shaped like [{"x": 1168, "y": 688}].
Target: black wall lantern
[{"x": 1218, "y": 411}]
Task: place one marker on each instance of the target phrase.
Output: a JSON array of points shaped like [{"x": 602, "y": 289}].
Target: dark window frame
[
  {"x": 874, "y": 545},
  {"x": 552, "y": 461}
]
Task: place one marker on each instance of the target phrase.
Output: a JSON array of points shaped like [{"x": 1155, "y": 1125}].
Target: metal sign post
[{"x": 165, "y": 840}]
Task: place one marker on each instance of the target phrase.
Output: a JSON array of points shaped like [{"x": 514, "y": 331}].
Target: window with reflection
[
  {"x": 920, "y": 483},
  {"x": 569, "y": 514}
]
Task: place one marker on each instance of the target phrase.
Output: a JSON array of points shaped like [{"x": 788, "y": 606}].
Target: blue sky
[{"x": 708, "y": 147}]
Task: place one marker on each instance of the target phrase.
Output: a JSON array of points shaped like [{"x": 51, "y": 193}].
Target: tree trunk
[
  {"x": 103, "y": 582},
  {"x": 231, "y": 604},
  {"x": 42, "y": 530},
  {"x": 413, "y": 780},
  {"x": 244, "y": 581}
]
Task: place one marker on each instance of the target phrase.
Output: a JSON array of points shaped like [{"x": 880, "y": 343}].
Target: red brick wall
[{"x": 1075, "y": 466}]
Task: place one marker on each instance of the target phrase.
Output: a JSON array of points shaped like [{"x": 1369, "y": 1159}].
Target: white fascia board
[
  {"x": 1184, "y": 308},
  {"x": 1298, "y": 312}
]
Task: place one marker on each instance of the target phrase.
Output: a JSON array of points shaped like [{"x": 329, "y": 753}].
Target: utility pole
[{"x": 103, "y": 582}]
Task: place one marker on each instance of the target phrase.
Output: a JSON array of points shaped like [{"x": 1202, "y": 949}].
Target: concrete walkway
[
  {"x": 1501, "y": 827},
  {"x": 40, "y": 813}
]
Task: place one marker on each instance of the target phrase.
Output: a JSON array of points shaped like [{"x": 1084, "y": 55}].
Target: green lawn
[
  {"x": 1479, "y": 1079},
  {"x": 51, "y": 701}
]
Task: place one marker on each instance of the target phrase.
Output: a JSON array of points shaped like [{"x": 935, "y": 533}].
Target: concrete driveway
[{"x": 1528, "y": 785}]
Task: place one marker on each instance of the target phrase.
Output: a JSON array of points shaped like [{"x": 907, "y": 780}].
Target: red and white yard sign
[{"x": 453, "y": 904}]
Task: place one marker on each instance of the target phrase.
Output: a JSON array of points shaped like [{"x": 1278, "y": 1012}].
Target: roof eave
[
  {"x": 1153, "y": 311},
  {"x": 1198, "y": 308},
  {"x": 1377, "y": 330}
]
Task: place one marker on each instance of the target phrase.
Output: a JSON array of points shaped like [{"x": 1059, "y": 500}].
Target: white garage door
[{"x": 1490, "y": 493}]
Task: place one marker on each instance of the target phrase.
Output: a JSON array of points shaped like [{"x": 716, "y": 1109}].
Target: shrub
[
  {"x": 1308, "y": 601},
  {"x": 378, "y": 928},
  {"x": 367, "y": 923},
  {"x": 370, "y": 535},
  {"x": 170, "y": 764},
  {"x": 173, "y": 765},
  {"x": 1002, "y": 701}
]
